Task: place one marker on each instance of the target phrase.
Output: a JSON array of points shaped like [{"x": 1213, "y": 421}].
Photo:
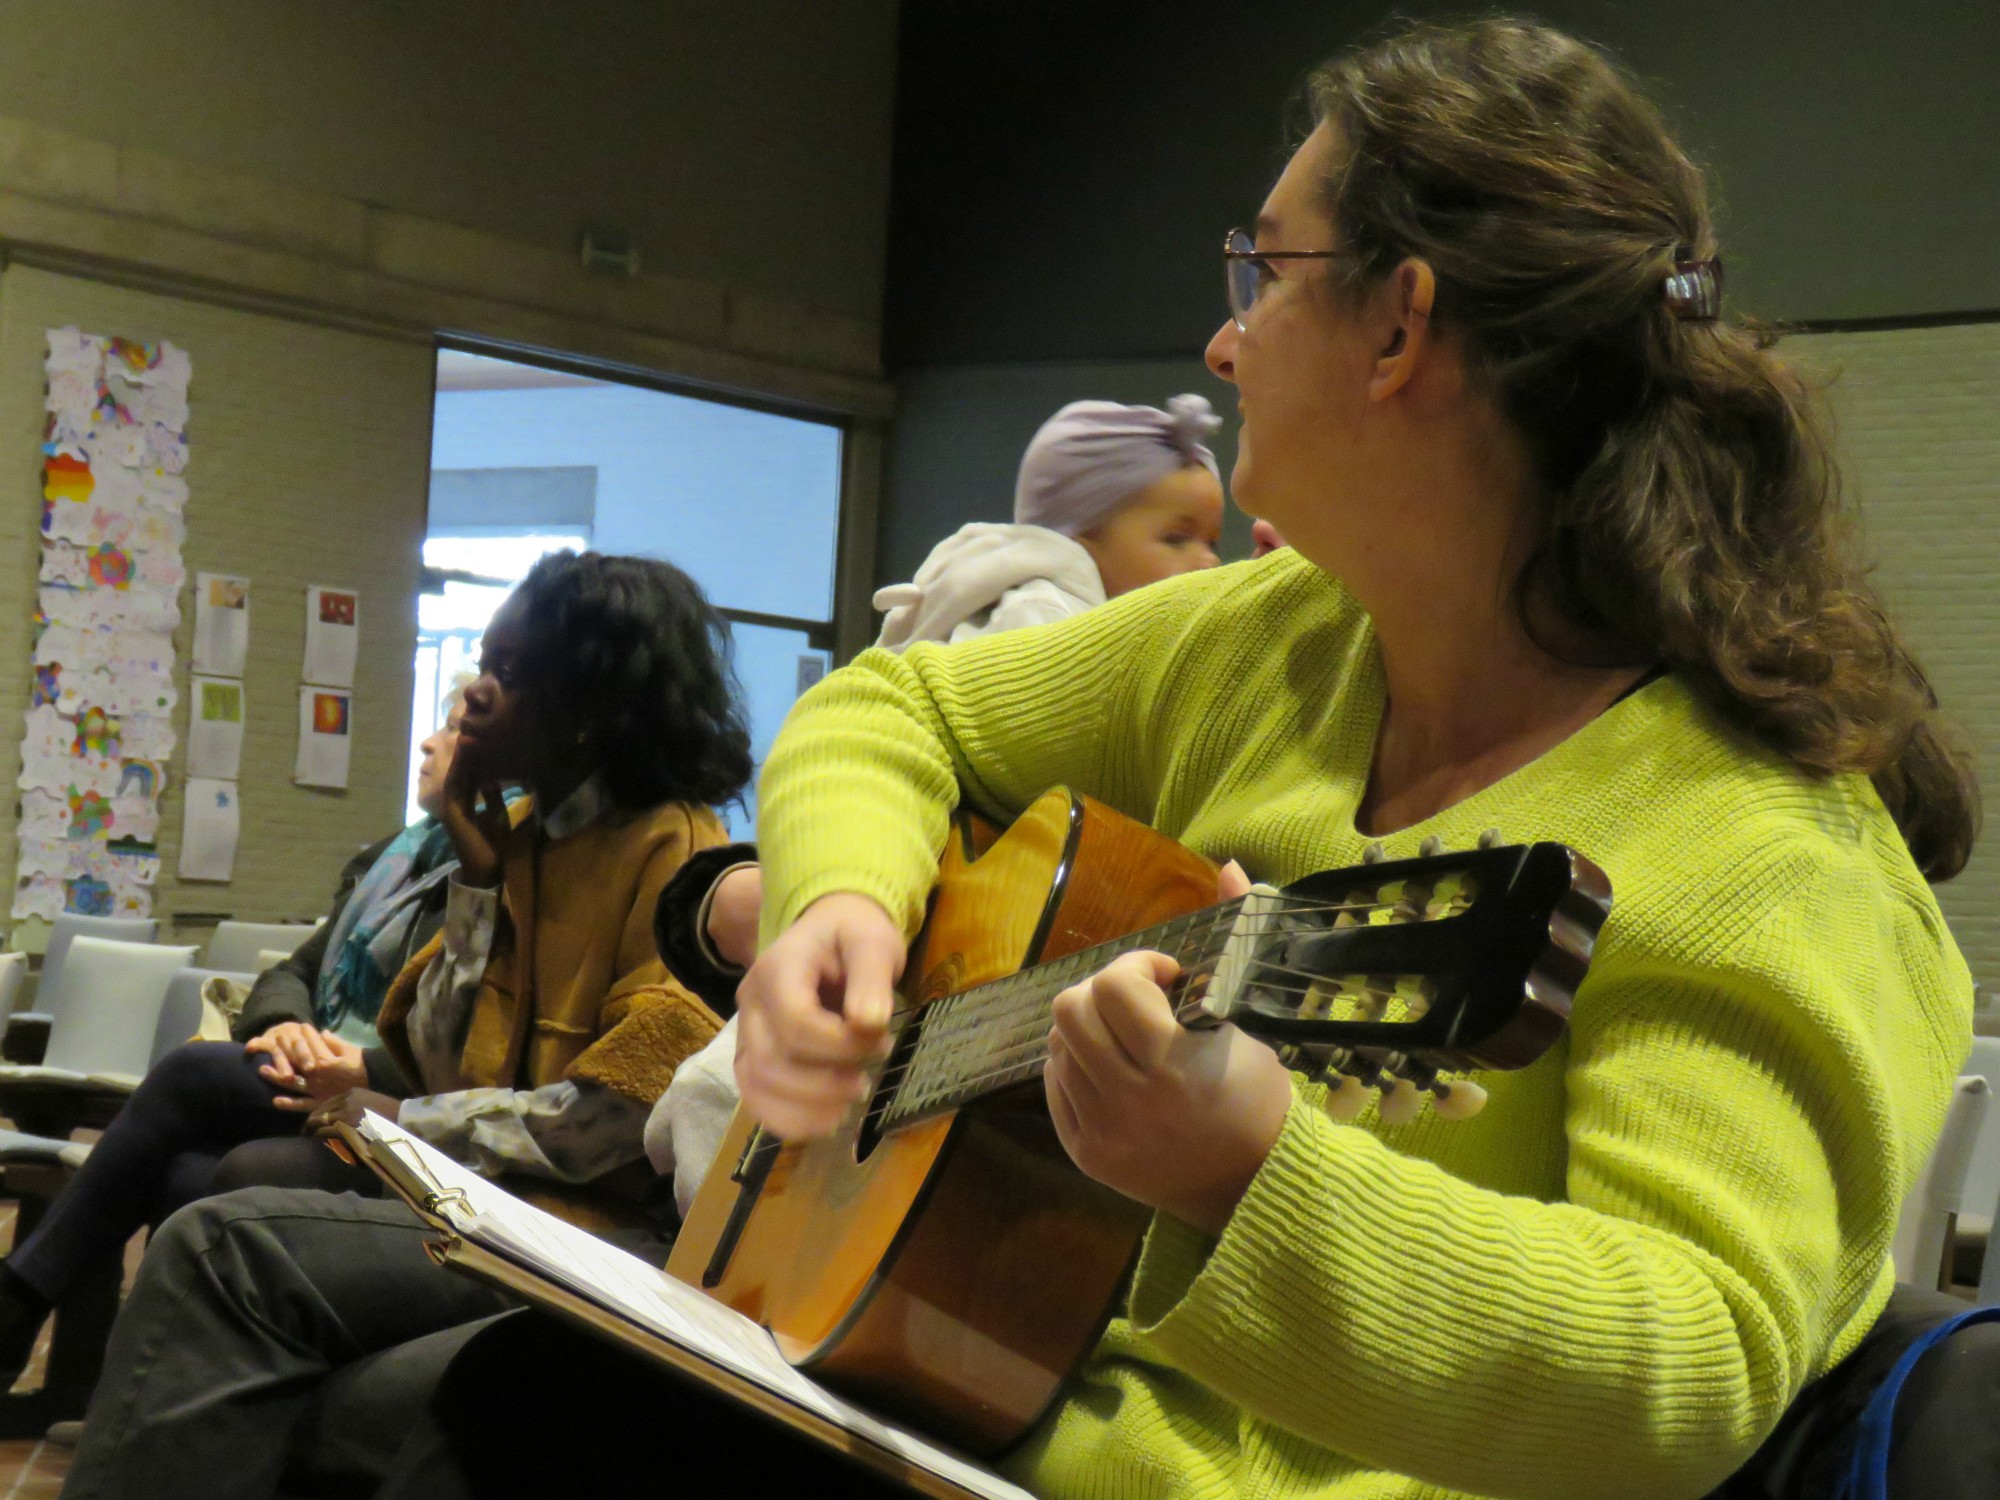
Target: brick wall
[
  {"x": 309, "y": 460},
  {"x": 1919, "y": 430}
]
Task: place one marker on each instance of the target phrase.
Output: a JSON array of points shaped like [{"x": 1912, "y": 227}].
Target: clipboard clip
[{"x": 435, "y": 1202}]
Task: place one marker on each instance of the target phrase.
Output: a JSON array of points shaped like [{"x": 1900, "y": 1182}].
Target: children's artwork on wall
[
  {"x": 210, "y": 821},
  {"x": 215, "y": 727},
  {"x": 324, "y": 737},
  {"x": 221, "y": 624},
  {"x": 333, "y": 625},
  {"x": 99, "y": 726}
]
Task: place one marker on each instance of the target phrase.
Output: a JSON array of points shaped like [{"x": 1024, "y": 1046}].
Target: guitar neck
[{"x": 995, "y": 1035}]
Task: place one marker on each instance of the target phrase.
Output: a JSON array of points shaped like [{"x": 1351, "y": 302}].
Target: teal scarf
[{"x": 366, "y": 946}]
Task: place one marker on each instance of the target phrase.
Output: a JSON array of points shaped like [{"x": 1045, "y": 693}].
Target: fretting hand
[
  {"x": 1177, "y": 1119},
  {"x": 475, "y": 819},
  {"x": 813, "y": 1015}
]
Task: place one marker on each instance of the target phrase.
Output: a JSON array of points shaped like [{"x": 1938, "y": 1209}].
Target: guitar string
[
  {"x": 1007, "y": 1057},
  {"x": 1031, "y": 1008},
  {"x": 1022, "y": 1061},
  {"x": 1030, "y": 982},
  {"x": 1260, "y": 925}
]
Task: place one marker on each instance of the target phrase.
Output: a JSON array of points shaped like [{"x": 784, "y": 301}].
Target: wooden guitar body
[{"x": 953, "y": 1272}]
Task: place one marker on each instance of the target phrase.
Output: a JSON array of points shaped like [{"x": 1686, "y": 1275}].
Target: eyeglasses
[{"x": 1245, "y": 272}]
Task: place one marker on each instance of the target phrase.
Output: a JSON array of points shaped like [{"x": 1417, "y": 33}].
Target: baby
[{"x": 1110, "y": 498}]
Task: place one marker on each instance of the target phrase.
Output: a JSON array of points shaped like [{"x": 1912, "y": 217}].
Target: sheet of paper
[
  {"x": 333, "y": 626},
  {"x": 208, "y": 829},
  {"x": 325, "y": 732},
  {"x": 215, "y": 727},
  {"x": 221, "y": 623},
  {"x": 670, "y": 1309}
]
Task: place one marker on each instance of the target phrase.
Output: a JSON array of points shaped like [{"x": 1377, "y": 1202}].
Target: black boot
[{"x": 23, "y": 1310}]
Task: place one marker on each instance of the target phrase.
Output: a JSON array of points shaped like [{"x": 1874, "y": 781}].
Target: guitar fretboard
[{"x": 994, "y": 1035}]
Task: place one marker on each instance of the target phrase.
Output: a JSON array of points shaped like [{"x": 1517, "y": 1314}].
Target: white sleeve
[{"x": 691, "y": 1117}]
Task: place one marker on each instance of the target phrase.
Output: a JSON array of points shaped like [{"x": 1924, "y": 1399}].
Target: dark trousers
[
  {"x": 172, "y": 1143},
  {"x": 279, "y": 1342},
  {"x": 287, "y": 1343}
]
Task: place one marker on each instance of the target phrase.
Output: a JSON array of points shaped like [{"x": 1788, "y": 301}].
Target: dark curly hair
[
  {"x": 630, "y": 652},
  {"x": 1693, "y": 514}
]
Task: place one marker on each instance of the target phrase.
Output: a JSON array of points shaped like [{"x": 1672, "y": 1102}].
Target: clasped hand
[
  {"x": 1177, "y": 1119},
  {"x": 307, "y": 1065}
]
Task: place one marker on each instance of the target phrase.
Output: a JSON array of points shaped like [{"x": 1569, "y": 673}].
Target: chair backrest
[
  {"x": 1982, "y": 1173},
  {"x": 113, "y": 993},
  {"x": 235, "y": 945},
  {"x": 13, "y": 976},
  {"x": 65, "y": 930},
  {"x": 180, "y": 1008},
  {"x": 1922, "y": 1239}
]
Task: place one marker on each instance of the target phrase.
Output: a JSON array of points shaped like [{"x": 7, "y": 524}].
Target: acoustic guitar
[{"x": 939, "y": 1257}]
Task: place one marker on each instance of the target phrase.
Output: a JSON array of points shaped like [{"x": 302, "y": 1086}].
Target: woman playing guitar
[{"x": 1567, "y": 564}]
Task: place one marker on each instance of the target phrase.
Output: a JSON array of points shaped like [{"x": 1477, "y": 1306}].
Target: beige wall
[
  {"x": 1919, "y": 414},
  {"x": 309, "y": 463},
  {"x": 427, "y": 169},
  {"x": 745, "y": 141}
]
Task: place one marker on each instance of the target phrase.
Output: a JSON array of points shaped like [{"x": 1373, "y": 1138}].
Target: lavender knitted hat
[{"x": 1093, "y": 456}]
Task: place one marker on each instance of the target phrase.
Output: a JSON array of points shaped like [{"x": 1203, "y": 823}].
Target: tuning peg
[
  {"x": 1346, "y": 1097},
  {"x": 1400, "y": 1102},
  {"x": 1490, "y": 839},
  {"x": 1460, "y": 1099},
  {"x": 1373, "y": 854},
  {"x": 1431, "y": 847}
]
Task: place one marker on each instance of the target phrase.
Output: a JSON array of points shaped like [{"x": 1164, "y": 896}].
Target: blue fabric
[
  {"x": 366, "y": 946},
  {"x": 1868, "y": 1470}
]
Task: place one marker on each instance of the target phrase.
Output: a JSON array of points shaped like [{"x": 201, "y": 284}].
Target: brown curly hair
[{"x": 1693, "y": 516}]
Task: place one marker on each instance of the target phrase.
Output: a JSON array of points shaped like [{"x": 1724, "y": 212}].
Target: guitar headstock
[{"x": 1386, "y": 975}]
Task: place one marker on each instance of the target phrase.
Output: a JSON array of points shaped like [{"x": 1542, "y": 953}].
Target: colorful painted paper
[
  {"x": 221, "y": 624},
  {"x": 325, "y": 733},
  {"x": 215, "y": 727},
  {"x": 333, "y": 626},
  {"x": 99, "y": 727}
]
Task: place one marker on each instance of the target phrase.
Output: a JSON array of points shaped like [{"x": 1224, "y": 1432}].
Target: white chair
[
  {"x": 102, "y": 1038},
  {"x": 1924, "y": 1232},
  {"x": 64, "y": 931},
  {"x": 13, "y": 978},
  {"x": 235, "y": 945},
  {"x": 180, "y": 1008},
  {"x": 1982, "y": 1173}
]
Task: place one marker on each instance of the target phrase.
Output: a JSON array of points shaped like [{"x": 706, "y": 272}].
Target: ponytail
[{"x": 1693, "y": 516}]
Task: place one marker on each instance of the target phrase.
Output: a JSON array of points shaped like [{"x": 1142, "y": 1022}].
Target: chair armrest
[{"x": 26, "y": 1039}]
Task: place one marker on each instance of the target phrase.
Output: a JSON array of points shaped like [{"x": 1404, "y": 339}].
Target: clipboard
[{"x": 449, "y": 1211}]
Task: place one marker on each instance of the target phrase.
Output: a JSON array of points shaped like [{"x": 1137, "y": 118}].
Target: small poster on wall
[
  {"x": 333, "y": 626},
  {"x": 209, "y": 827},
  {"x": 215, "y": 728},
  {"x": 325, "y": 732},
  {"x": 221, "y": 623}
]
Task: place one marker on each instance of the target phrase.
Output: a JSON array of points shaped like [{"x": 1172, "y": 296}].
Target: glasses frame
[{"x": 1231, "y": 256}]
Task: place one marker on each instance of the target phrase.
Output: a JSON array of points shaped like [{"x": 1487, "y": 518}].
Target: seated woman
[
  {"x": 304, "y": 1019},
  {"x": 1566, "y": 561},
  {"x": 535, "y": 1032}
]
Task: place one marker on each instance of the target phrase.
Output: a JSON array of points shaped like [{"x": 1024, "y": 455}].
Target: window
[{"x": 526, "y": 460}]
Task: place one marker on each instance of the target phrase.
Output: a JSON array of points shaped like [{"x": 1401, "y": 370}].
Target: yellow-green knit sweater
[{"x": 1609, "y": 1284}]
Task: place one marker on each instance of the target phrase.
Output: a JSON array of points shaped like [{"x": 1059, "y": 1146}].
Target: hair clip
[{"x": 1694, "y": 290}]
